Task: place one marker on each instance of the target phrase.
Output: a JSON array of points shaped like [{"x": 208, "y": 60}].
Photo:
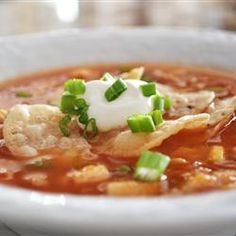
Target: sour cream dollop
[{"x": 114, "y": 114}]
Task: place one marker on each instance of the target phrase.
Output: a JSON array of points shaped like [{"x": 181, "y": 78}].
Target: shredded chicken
[
  {"x": 127, "y": 144},
  {"x": 186, "y": 103},
  {"x": 132, "y": 188},
  {"x": 36, "y": 178},
  {"x": 205, "y": 181},
  {"x": 90, "y": 174},
  {"x": 30, "y": 128},
  {"x": 9, "y": 166}
]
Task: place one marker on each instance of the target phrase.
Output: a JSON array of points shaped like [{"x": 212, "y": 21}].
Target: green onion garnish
[
  {"x": 75, "y": 86},
  {"x": 107, "y": 77},
  {"x": 167, "y": 103},
  {"x": 141, "y": 123},
  {"x": 83, "y": 119},
  {"x": 68, "y": 103},
  {"x": 72, "y": 105},
  {"x": 124, "y": 168},
  {"x": 148, "y": 89},
  {"x": 90, "y": 129},
  {"x": 158, "y": 103},
  {"x": 81, "y": 106},
  {"x": 23, "y": 94},
  {"x": 150, "y": 166},
  {"x": 157, "y": 117},
  {"x": 64, "y": 125},
  {"x": 116, "y": 89}
]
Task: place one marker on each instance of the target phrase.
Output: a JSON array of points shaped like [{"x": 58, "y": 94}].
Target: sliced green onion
[
  {"x": 81, "y": 106},
  {"x": 141, "y": 123},
  {"x": 107, "y": 77},
  {"x": 64, "y": 125},
  {"x": 158, "y": 103},
  {"x": 110, "y": 94},
  {"x": 148, "y": 89},
  {"x": 72, "y": 105},
  {"x": 157, "y": 117},
  {"x": 83, "y": 119},
  {"x": 150, "y": 166},
  {"x": 167, "y": 103},
  {"x": 23, "y": 94},
  {"x": 75, "y": 86},
  {"x": 68, "y": 103},
  {"x": 116, "y": 89},
  {"x": 90, "y": 129},
  {"x": 125, "y": 169}
]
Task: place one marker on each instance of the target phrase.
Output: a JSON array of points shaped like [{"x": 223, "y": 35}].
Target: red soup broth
[{"x": 190, "y": 170}]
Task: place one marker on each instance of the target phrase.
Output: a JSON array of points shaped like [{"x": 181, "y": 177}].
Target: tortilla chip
[{"x": 128, "y": 144}]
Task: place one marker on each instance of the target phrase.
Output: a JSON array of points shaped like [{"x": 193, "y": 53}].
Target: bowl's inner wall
[{"x": 27, "y": 54}]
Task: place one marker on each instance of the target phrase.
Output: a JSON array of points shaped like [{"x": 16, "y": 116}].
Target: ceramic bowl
[{"x": 201, "y": 214}]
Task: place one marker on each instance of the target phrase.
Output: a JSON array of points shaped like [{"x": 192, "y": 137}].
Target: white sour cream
[{"x": 114, "y": 114}]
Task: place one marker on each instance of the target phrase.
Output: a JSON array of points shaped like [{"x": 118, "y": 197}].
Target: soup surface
[{"x": 202, "y": 158}]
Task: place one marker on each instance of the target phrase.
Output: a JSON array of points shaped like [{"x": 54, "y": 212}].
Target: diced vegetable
[
  {"x": 23, "y": 94},
  {"x": 75, "y": 86},
  {"x": 148, "y": 89},
  {"x": 107, "y": 77},
  {"x": 216, "y": 153},
  {"x": 157, "y": 117},
  {"x": 125, "y": 169},
  {"x": 83, "y": 119},
  {"x": 167, "y": 103},
  {"x": 90, "y": 174},
  {"x": 64, "y": 125},
  {"x": 68, "y": 103},
  {"x": 116, "y": 89},
  {"x": 151, "y": 165},
  {"x": 141, "y": 123},
  {"x": 158, "y": 103},
  {"x": 72, "y": 105},
  {"x": 80, "y": 104},
  {"x": 90, "y": 130}
]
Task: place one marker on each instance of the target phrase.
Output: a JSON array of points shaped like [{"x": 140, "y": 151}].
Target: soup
[{"x": 120, "y": 130}]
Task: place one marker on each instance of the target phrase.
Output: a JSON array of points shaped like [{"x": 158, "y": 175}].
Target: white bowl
[{"x": 213, "y": 213}]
